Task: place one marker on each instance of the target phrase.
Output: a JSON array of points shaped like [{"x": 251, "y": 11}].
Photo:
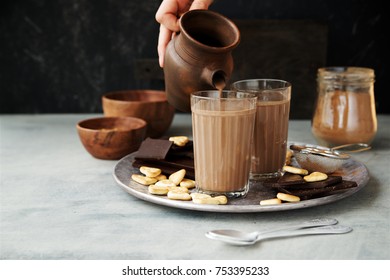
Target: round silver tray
[{"x": 351, "y": 170}]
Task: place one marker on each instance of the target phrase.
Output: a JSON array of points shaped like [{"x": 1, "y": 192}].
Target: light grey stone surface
[{"x": 58, "y": 202}]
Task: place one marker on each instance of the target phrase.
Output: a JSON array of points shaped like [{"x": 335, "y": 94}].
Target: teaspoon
[
  {"x": 334, "y": 229},
  {"x": 244, "y": 236}
]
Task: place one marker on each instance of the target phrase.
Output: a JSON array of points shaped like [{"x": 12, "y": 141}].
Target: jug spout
[{"x": 215, "y": 78}]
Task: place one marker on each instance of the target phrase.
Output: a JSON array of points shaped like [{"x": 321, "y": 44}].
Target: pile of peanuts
[
  {"x": 175, "y": 187},
  {"x": 284, "y": 197}
]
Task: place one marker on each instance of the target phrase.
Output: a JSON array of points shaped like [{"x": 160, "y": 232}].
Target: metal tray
[{"x": 350, "y": 170}]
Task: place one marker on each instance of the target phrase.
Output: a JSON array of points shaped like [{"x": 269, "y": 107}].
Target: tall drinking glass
[
  {"x": 271, "y": 125},
  {"x": 222, "y": 124}
]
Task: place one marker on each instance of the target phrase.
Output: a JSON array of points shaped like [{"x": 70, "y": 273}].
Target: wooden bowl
[
  {"x": 111, "y": 137},
  {"x": 149, "y": 105}
]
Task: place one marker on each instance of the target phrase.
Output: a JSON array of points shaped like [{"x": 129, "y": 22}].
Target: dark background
[{"x": 60, "y": 56}]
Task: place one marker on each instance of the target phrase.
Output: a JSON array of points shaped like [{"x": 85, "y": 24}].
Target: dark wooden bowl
[
  {"x": 149, "y": 105},
  {"x": 110, "y": 137}
]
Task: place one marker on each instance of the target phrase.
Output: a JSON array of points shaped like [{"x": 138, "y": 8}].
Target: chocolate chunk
[
  {"x": 271, "y": 183},
  {"x": 161, "y": 153},
  {"x": 332, "y": 185},
  {"x": 331, "y": 180},
  {"x": 286, "y": 180},
  {"x": 300, "y": 184},
  {"x": 185, "y": 151},
  {"x": 324, "y": 191},
  {"x": 179, "y": 149},
  {"x": 156, "y": 149},
  {"x": 291, "y": 179}
]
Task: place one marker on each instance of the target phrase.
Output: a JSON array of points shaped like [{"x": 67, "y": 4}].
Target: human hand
[{"x": 168, "y": 16}]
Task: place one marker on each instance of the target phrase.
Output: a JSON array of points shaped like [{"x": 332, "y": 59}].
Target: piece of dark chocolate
[
  {"x": 293, "y": 182},
  {"x": 291, "y": 179},
  {"x": 163, "y": 154},
  {"x": 156, "y": 149},
  {"x": 324, "y": 191},
  {"x": 179, "y": 149},
  {"x": 184, "y": 151},
  {"x": 271, "y": 183},
  {"x": 331, "y": 180},
  {"x": 285, "y": 180}
]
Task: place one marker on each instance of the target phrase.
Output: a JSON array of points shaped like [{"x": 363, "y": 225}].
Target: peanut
[
  {"x": 188, "y": 183},
  {"x": 271, "y": 201},
  {"x": 221, "y": 199},
  {"x": 143, "y": 180},
  {"x": 178, "y": 176},
  {"x": 153, "y": 189},
  {"x": 295, "y": 170},
  {"x": 179, "y": 189},
  {"x": 150, "y": 171},
  {"x": 179, "y": 140},
  {"x": 199, "y": 195},
  {"x": 161, "y": 177},
  {"x": 200, "y": 198},
  {"x": 179, "y": 195},
  {"x": 289, "y": 155},
  {"x": 166, "y": 183},
  {"x": 288, "y": 197},
  {"x": 206, "y": 200},
  {"x": 315, "y": 177}
]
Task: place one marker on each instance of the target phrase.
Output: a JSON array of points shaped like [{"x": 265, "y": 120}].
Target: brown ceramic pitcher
[{"x": 200, "y": 56}]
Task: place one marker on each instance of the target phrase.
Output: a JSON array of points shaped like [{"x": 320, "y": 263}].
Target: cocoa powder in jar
[{"x": 345, "y": 109}]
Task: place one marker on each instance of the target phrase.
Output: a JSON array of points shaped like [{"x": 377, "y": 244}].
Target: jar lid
[{"x": 346, "y": 75}]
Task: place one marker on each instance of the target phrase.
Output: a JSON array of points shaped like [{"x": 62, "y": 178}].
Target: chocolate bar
[
  {"x": 331, "y": 180},
  {"x": 324, "y": 191},
  {"x": 162, "y": 154},
  {"x": 291, "y": 179},
  {"x": 155, "y": 149},
  {"x": 286, "y": 180},
  {"x": 292, "y": 182},
  {"x": 296, "y": 185}
]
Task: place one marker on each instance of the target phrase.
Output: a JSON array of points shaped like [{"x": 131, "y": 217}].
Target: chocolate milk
[
  {"x": 270, "y": 136},
  {"x": 222, "y": 145}
]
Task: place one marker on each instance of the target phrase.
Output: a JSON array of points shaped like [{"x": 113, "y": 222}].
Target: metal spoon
[
  {"x": 335, "y": 229},
  {"x": 242, "y": 236}
]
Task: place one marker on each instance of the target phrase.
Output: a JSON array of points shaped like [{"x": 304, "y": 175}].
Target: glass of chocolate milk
[
  {"x": 271, "y": 125},
  {"x": 222, "y": 126}
]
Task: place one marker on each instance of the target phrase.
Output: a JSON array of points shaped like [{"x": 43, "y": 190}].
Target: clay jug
[{"x": 199, "y": 57}]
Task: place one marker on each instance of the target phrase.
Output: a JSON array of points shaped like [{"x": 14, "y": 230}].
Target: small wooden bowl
[
  {"x": 111, "y": 138},
  {"x": 149, "y": 105}
]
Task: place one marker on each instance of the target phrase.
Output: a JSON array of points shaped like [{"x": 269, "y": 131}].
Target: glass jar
[{"x": 345, "y": 107}]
